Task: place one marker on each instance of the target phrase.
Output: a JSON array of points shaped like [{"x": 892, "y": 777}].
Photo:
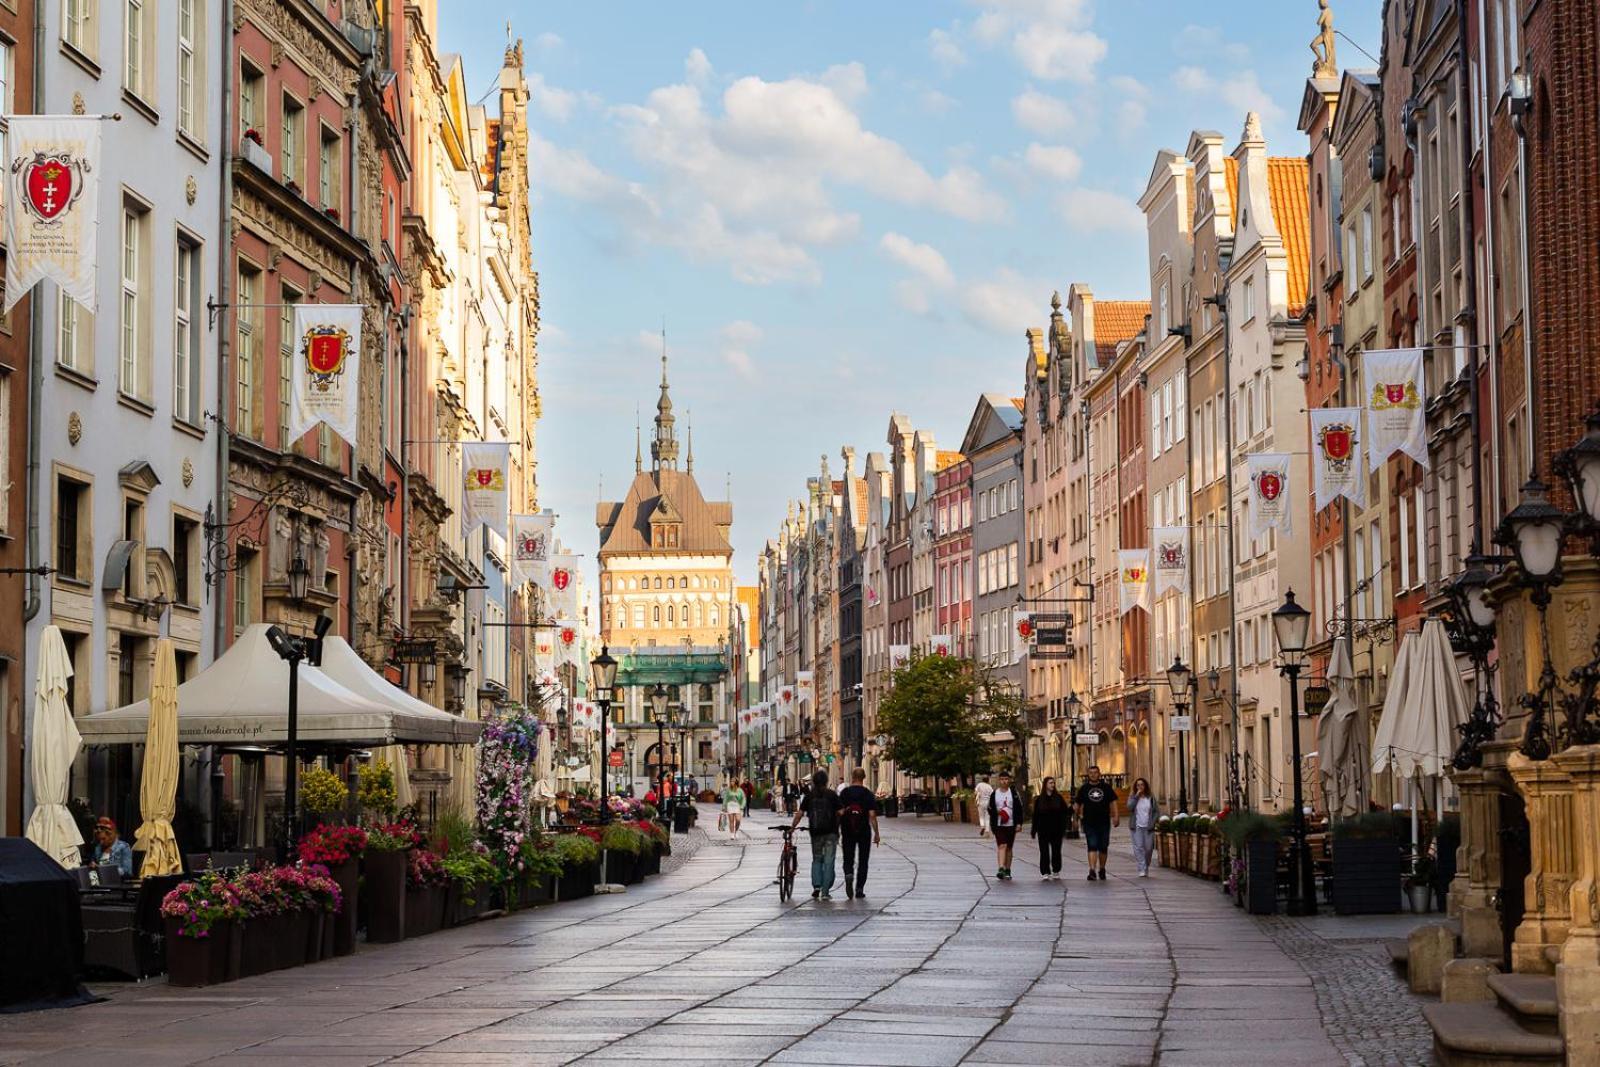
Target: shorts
[
  {"x": 1097, "y": 838},
  {"x": 1005, "y": 835}
]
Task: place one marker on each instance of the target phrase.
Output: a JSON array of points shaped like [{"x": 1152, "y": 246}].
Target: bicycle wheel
[{"x": 786, "y": 872}]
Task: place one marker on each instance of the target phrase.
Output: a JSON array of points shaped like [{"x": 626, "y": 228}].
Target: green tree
[{"x": 940, "y": 712}]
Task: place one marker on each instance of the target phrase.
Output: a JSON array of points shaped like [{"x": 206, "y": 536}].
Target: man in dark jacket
[{"x": 821, "y": 806}]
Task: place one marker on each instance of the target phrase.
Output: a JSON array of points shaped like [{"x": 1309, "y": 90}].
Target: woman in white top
[
  {"x": 733, "y": 807},
  {"x": 1143, "y": 812},
  {"x": 980, "y": 797}
]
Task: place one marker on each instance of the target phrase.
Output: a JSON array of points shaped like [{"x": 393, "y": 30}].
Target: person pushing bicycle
[{"x": 822, "y": 805}]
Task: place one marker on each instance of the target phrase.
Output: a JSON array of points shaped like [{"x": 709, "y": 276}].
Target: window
[
  {"x": 1167, "y": 433},
  {"x": 285, "y": 366},
  {"x": 328, "y": 170},
  {"x": 1155, "y": 423},
  {"x": 1420, "y": 526},
  {"x": 7, "y": 74},
  {"x": 74, "y": 538},
  {"x": 248, "y": 356},
  {"x": 1161, "y": 320},
  {"x": 245, "y": 581},
  {"x": 290, "y": 147},
  {"x": 79, "y": 26},
  {"x": 75, "y": 340},
  {"x": 191, "y": 68},
  {"x": 252, "y": 85},
  {"x": 1351, "y": 252},
  {"x": 1405, "y": 544},
  {"x": 5, "y": 453},
  {"x": 133, "y": 530},
  {"x": 185, "y": 558},
  {"x": 137, "y": 38},
  {"x": 1012, "y": 573},
  {"x": 186, "y": 333},
  {"x": 1366, "y": 244},
  {"x": 1178, "y": 407},
  {"x": 133, "y": 369},
  {"x": 1249, "y": 299}
]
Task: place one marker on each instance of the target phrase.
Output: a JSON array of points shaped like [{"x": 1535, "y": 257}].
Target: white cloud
[
  {"x": 548, "y": 42},
  {"x": 1132, "y": 103},
  {"x": 946, "y": 50},
  {"x": 847, "y": 80},
  {"x": 1096, "y": 209},
  {"x": 1042, "y": 113},
  {"x": 570, "y": 173},
  {"x": 738, "y": 337},
  {"x": 936, "y": 103},
  {"x": 554, "y": 103},
  {"x": 1054, "y": 161},
  {"x": 1006, "y": 304},
  {"x": 1051, "y": 38},
  {"x": 925, "y": 260},
  {"x": 697, "y": 68},
  {"x": 1209, "y": 40},
  {"x": 1241, "y": 91},
  {"x": 1192, "y": 80},
  {"x": 912, "y": 296}
]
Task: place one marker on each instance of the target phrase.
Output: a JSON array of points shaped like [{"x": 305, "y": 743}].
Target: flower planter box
[
  {"x": 1261, "y": 877},
  {"x": 1164, "y": 849},
  {"x": 199, "y": 961},
  {"x": 256, "y": 154},
  {"x": 386, "y": 896},
  {"x": 1366, "y": 875},
  {"x": 1210, "y": 861},
  {"x": 577, "y": 882},
  {"x": 424, "y": 910},
  {"x": 536, "y": 891},
  {"x": 343, "y": 925}
]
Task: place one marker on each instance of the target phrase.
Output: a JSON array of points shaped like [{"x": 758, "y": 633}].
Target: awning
[
  {"x": 242, "y": 698},
  {"x": 341, "y": 663}
]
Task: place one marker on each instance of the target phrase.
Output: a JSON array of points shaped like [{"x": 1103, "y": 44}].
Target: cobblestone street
[{"x": 942, "y": 964}]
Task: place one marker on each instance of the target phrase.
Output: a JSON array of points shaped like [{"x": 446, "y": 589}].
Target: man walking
[
  {"x": 821, "y": 804},
  {"x": 1097, "y": 813},
  {"x": 858, "y": 831},
  {"x": 980, "y": 797},
  {"x": 1005, "y": 811}
]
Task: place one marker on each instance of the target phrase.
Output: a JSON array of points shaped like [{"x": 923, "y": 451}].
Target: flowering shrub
[
  {"x": 506, "y": 753},
  {"x": 375, "y": 789},
  {"x": 620, "y": 837},
  {"x": 201, "y": 904},
  {"x": 424, "y": 869},
  {"x": 393, "y": 837},
  {"x": 332, "y": 845},
  {"x": 575, "y": 850},
  {"x": 322, "y": 791},
  {"x": 253, "y": 134},
  {"x": 470, "y": 868}
]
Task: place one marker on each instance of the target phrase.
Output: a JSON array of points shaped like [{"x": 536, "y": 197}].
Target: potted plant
[
  {"x": 375, "y": 790},
  {"x": 1254, "y": 839},
  {"x": 963, "y": 800},
  {"x": 254, "y": 149},
  {"x": 1419, "y": 883},
  {"x": 198, "y": 918},
  {"x": 1164, "y": 847},
  {"x": 339, "y": 849},
  {"x": 385, "y": 883},
  {"x": 425, "y": 892},
  {"x": 579, "y": 858},
  {"x": 622, "y": 845},
  {"x": 1367, "y": 864}
]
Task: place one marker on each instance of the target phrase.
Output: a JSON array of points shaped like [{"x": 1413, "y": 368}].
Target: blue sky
[{"x": 844, "y": 209}]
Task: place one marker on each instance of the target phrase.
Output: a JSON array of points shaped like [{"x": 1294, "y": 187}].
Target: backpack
[
  {"x": 824, "y": 811},
  {"x": 853, "y": 820}
]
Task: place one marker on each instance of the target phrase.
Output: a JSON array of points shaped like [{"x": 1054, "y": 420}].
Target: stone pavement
[{"x": 941, "y": 965}]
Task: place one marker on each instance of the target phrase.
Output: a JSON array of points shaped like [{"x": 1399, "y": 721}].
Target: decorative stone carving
[
  {"x": 191, "y": 189},
  {"x": 1326, "y": 64},
  {"x": 319, "y": 556},
  {"x": 74, "y": 428},
  {"x": 78, "y": 107},
  {"x": 188, "y": 472}
]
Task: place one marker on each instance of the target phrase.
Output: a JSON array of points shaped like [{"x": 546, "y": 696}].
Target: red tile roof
[
  {"x": 947, "y": 458},
  {"x": 1230, "y": 176},
  {"x": 1291, "y": 209},
  {"x": 1116, "y": 321}
]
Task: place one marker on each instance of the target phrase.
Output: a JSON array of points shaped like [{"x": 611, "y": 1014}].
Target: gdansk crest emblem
[
  {"x": 51, "y": 184},
  {"x": 1386, "y": 395},
  {"x": 1337, "y": 442},
  {"x": 1269, "y": 485},
  {"x": 488, "y": 479},
  {"x": 326, "y": 350}
]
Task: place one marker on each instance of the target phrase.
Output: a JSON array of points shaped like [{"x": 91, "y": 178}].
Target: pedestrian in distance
[
  {"x": 858, "y": 831},
  {"x": 980, "y": 796},
  {"x": 1049, "y": 826},
  {"x": 1097, "y": 813},
  {"x": 733, "y": 806},
  {"x": 1142, "y": 815},
  {"x": 821, "y": 806},
  {"x": 1005, "y": 812}
]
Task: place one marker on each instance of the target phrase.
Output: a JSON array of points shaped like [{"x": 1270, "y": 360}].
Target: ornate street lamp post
[
  {"x": 603, "y": 676},
  {"x": 1533, "y": 531},
  {"x": 1179, "y": 679},
  {"x": 1291, "y": 624},
  {"x": 658, "y": 711}
]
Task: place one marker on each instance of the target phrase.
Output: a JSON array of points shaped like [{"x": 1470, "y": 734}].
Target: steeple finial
[
  {"x": 664, "y": 446},
  {"x": 688, "y": 419},
  {"x": 638, "y": 452}
]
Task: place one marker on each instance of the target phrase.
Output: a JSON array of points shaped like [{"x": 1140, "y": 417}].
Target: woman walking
[
  {"x": 1049, "y": 827},
  {"x": 1142, "y": 813},
  {"x": 733, "y": 806}
]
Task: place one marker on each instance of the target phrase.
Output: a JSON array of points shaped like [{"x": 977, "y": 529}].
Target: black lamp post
[
  {"x": 1291, "y": 625},
  {"x": 1471, "y": 622},
  {"x": 1179, "y": 679},
  {"x": 299, "y": 575},
  {"x": 1533, "y": 531},
  {"x": 658, "y": 711},
  {"x": 603, "y": 676}
]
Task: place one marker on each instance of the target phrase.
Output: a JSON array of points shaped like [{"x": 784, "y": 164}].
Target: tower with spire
[{"x": 664, "y": 445}]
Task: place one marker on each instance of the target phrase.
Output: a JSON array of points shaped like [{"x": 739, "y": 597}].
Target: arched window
[
  {"x": 695, "y": 582},
  {"x": 638, "y": 615},
  {"x": 685, "y": 616},
  {"x": 669, "y": 613},
  {"x": 656, "y": 613},
  {"x": 714, "y": 621},
  {"x": 699, "y": 615},
  {"x": 658, "y": 583},
  {"x": 716, "y": 583}
]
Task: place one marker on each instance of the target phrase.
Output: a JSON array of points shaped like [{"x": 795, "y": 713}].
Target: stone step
[
  {"x": 1478, "y": 1035},
  {"x": 1531, "y": 998},
  {"x": 1399, "y": 951}
]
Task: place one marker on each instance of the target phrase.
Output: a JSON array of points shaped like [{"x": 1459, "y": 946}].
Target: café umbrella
[
  {"x": 158, "y": 781},
  {"x": 1341, "y": 738},
  {"x": 54, "y": 747}
]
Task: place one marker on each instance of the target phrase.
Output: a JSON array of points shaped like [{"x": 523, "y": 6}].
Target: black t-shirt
[
  {"x": 862, "y": 799},
  {"x": 1096, "y": 799},
  {"x": 822, "y": 807}
]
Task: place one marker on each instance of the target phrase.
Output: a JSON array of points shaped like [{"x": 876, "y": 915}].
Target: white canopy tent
[{"x": 243, "y": 699}]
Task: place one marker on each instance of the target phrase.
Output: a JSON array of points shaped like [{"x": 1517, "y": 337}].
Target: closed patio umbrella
[
  {"x": 1342, "y": 738},
  {"x": 158, "y": 781},
  {"x": 55, "y": 745}
]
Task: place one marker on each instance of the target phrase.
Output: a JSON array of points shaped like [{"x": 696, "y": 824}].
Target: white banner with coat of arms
[
  {"x": 1396, "y": 396},
  {"x": 52, "y": 204},
  {"x": 486, "y": 486},
  {"x": 1133, "y": 579},
  {"x": 1269, "y": 493},
  {"x": 1336, "y": 469},
  {"x": 531, "y": 539},
  {"x": 1171, "y": 559},
  {"x": 326, "y": 377}
]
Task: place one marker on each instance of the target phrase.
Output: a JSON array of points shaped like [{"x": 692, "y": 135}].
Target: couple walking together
[
  {"x": 1096, "y": 806},
  {"x": 848, "y": 817}
]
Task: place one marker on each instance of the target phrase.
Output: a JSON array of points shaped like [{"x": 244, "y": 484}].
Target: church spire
[
  {"x": 664, "y": 447},
  {"x": 638, "y": 449},
  {"x": 688, "y": 465}
]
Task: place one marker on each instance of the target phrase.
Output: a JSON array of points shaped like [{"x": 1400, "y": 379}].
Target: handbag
[{"x": 722, "y": 820}]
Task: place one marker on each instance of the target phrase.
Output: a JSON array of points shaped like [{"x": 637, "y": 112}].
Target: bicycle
[{"x": 788, "y": 864}]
